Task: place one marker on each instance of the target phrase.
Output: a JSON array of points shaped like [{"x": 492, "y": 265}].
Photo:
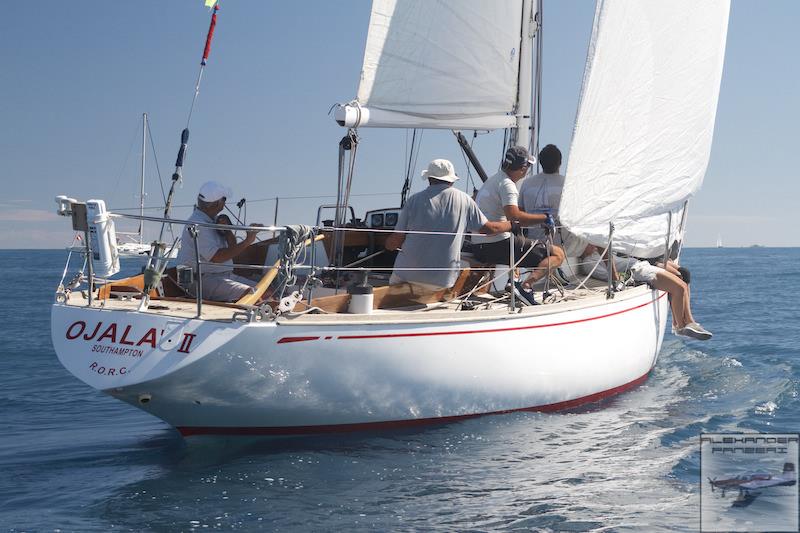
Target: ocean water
[{"x": 73, "y": 459}]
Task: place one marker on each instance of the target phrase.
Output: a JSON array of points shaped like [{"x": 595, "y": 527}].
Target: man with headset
[{"x": 498, "y": 199}]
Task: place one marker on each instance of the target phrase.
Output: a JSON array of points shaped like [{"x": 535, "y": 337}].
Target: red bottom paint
[{"x": 397, "y": 424}]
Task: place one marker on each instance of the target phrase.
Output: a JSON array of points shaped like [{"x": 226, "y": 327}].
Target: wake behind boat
[{"x": 328, "y": 343}]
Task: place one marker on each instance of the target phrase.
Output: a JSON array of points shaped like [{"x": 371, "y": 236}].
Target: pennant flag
[{"x": 210, "y": 3}]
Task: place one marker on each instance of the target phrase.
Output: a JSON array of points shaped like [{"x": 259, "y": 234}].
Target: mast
[
  {"x": 536, "y": 118},
  {"x": 521, "y": 133},
  {"x": 141, "y": 181}
]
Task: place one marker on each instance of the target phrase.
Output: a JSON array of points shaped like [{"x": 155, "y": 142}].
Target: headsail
[
  {"x": 645, "y": 122},
  {"x": 439, "y": 64}
]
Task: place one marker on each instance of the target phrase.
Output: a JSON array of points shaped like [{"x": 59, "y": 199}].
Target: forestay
[
  {"x": 645, "y": 122},
  {"x": 439, "y": 64}
]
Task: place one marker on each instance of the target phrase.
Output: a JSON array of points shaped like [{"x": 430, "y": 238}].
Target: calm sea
[{"x": 73, "y": 459}]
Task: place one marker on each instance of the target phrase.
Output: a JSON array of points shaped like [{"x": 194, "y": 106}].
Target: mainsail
[
  {"x": 645, "y": 122},
  {"x": 439, "y": 64}
]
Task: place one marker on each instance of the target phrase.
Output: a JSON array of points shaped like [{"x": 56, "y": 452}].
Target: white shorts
[
  {"x": 226, "y": 287},
  {"x": 644, "y": 272}
]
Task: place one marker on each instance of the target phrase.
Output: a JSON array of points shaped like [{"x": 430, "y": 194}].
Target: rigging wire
[
  {"x": 419, "y": 145},
  {"x": 177, "y": 175},
  {"x": 469, "y": 173},
  {"x": 155, "y": 159},
  {"x": 158, "y": 172},
  {"x": 127, "y": 157},
  {"x": 409, "y": 166},
  {"x": 271, "y": 199}
]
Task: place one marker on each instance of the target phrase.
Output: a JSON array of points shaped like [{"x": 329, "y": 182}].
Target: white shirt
[
  {"x": 497, "y": 192},
  {"x": 541, "y": 194},
  {"x": 209, "y": 241},
  {"x": 438, "y": 208}
]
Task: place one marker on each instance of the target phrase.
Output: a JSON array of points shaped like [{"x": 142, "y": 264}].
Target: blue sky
[{"x": 76, "y": 78}]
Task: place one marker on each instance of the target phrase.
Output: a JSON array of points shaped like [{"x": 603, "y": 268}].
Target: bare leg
[
  {"x": 547, "y": 264},
  {"x": 679, "y": 293},
  {"x": 671, "y": 267}
]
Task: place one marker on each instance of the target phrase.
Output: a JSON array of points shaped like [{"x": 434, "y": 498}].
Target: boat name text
[{"x": 112, "y": 333}]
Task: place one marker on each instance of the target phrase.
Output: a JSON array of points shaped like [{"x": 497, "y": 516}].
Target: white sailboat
[{"x": 640, "y": 148}]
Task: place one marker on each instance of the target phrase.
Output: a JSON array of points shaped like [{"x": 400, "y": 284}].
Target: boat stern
[{"x": 108, "y": 349}]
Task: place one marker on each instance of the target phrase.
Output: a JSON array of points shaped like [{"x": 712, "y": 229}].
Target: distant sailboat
[
  {"x": 719, "y": 241},
  {"x": 137, "y": 247}
]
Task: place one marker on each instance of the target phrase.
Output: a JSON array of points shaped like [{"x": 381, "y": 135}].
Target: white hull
[{"x": 325, "y": 374}]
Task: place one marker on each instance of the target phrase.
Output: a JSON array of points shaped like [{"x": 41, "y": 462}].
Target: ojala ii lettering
[{"x": 112, "y": 333}]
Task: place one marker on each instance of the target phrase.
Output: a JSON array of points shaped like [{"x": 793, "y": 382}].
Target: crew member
[
  {"x": 439, "y": 208},
  {"x": 671, "y": 279},
  {"x": 499, "y": 200},
  {"x": 217, "y": 248}
]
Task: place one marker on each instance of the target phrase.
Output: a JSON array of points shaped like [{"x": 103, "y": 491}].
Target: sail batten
[{"x": 645, "y": 121}]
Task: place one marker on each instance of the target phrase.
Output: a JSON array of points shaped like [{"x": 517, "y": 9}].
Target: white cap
[
  {"x": 440, "y": 169},
  {"x": 211, "y": 191}
]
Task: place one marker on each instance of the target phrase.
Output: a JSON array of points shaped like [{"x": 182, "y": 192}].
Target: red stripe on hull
[
  {"x": 496, "y": 330},
  {"x": 285, "y": 340},
  {"x": 397, "y": 424}
]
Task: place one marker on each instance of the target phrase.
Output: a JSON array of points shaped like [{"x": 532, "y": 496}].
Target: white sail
[
  {"x": 439, "y": 64},
  {"x": 645, "y": 121}
]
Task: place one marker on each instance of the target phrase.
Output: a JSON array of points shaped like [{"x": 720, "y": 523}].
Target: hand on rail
[{"x": 251, "y": 234}]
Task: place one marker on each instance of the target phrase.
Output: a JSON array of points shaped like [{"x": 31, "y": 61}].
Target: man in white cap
[
  {"x": 217, "y": 248},
  {"x": 439, "y": 208}
]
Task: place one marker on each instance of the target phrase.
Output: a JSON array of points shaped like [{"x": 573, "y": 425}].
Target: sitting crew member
[
  {"x": 439, "y": 208},
  {"x": 217, "y": 248},
  {"x": 670, "y": 279},
  {"x": 499, "y": 200}
]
